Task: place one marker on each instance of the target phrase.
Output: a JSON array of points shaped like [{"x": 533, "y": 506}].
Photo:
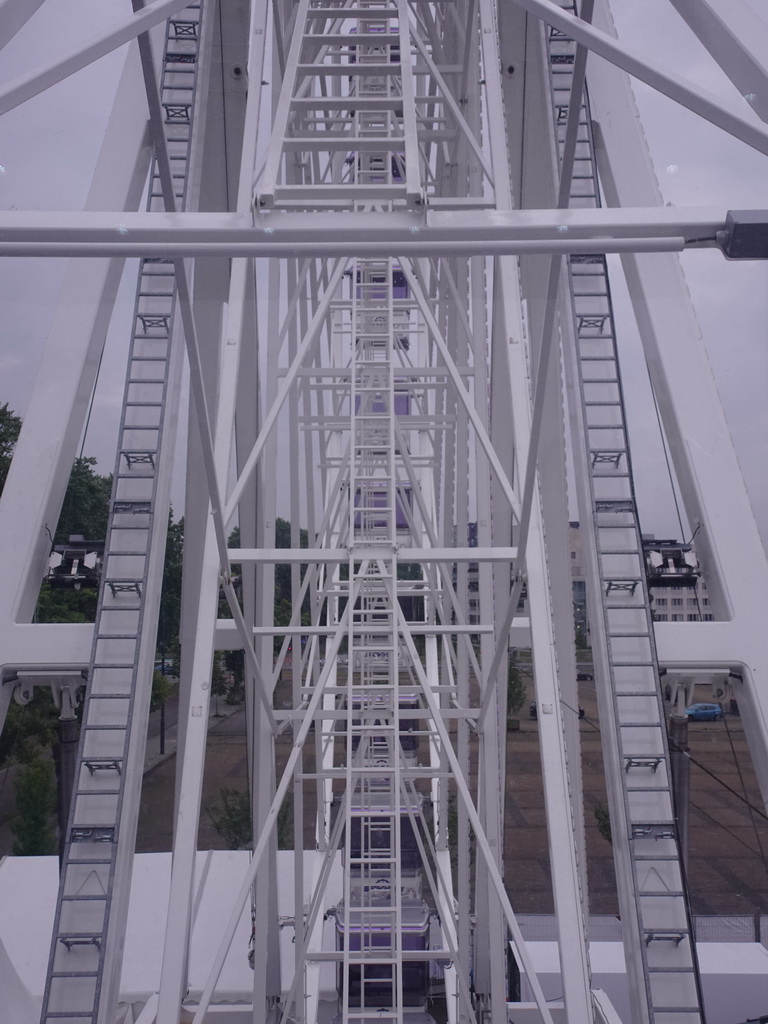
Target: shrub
[{"x": 35, "y": 803}]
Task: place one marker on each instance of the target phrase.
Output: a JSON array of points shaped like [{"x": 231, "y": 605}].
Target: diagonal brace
[{"x": 474, "y": 819}]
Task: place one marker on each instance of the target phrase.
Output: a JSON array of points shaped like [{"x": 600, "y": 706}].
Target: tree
[
  {"x": 234, "y": 663},
  {"x": 231, "y": 818},
  {"x": 55, "y": 604},
  {"x": 29, "y": 728},
  {"x": 283, "y": 602},
  {"x": 85, "y": 509},
  {"x": 603, "y": 819},
  {"x": 10, "y": 425},
  {"x": 170, "y": 599},
  {"x": 283, "y": 606},
  {"x": 161, "y": 690},
  {"x": 35, "y": 803},
  {"x": 516, "y": 688}
]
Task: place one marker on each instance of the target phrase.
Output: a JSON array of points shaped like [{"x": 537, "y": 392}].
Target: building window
[
  {"x": 662, "y": 602},
  {"x": 705, "y": 602},
  {"x": 709, "y": 617},
  {"x": 661, "y": 618},
  {"x": 676, "y": 618},
  {"x": 692, "y": 602},
  {"x": 677, "y": 602},
  {"x": 693, "y": 618}
]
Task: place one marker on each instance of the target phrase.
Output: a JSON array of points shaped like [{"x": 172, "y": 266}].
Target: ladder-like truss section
[
  {"x": 661, "y": 922},
  {"x": 358, "y": 118},
  {"x": 372, "y": 911},
  {"x": 100, "y": 837},
  {"x": 401, "y": 380},
  {"x": 347, "y": 101}
]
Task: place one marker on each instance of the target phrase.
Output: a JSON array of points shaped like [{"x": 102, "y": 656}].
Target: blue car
[{"x": 704, "y": 713}]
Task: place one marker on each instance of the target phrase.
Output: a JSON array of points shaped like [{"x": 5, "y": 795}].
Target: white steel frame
[{"x": 443, "y": 216}]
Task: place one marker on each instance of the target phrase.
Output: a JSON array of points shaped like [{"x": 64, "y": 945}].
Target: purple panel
[
  {"x": 402, "y": 404},
  {"x": 404, "y": 494},
  {"x": 399, "y": 285}
]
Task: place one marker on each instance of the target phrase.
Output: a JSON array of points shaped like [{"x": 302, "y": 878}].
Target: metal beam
[
  {"x": 474, "y": 818},
  {"x": 271, "y": 819},
  {"x": 302, "y": 353},
  {"x": 339, "y": 555},
  {"x": 33, "y": 83},
  {"x": 737, "y": 37},
  {"x": 688, "y": 94},
  {"x": 462, "y": 393},
  {"x": 14, "y": 14},
  {"x": 329, "y": 249},
  {"x": 290, "y": 234}
]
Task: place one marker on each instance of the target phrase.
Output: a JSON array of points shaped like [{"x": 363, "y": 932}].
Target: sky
[
  {"x": 49, "y": 145},
  {"x": 698, "y": 165}
]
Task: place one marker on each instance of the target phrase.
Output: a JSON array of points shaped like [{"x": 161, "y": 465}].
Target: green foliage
[
  {"x": 285, "y": 825},
  {"x": 234, "y": 663},
  {"x": 517, "y": 691},
  {"x": 170, "y": 599},
  {"x": 283, "y": 572},
  {"x": 86, "y": 503},
  {"x": 603, "y": 819},
  {"x": 224, "y": 682},
  {"x": 218, "y": 676},
  {"x": 35, "y": 803},
  {"x": 85, "y": 511},
  {"x": 162, "y": 689},
  {"x": 28, "y": 729},
  {"x": 581, "y": 639},
  {"x": 231, "y": 817},
  {"x": 57, "y": 604},
  {"x": 10, "y": 425},
  {"x": 283, "y": 601}
]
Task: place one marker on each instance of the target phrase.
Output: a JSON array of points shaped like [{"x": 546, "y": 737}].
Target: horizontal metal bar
[
  {"x": 378, "y": 713},
  {"x": 404, "y": 554},
  {"x": 326, "y": 249},
  {"x": 404, "y": 954},
  {"x": 276, "y": 233},
  {"x": 417, "y": 628}
]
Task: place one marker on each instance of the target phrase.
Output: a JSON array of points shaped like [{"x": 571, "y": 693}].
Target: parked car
[
  {"x": 704, "y": 712},
  {"x": 584, "y": 676}
]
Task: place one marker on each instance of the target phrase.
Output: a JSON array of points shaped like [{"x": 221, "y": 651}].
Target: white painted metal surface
[{"x": 394, "y": 390}]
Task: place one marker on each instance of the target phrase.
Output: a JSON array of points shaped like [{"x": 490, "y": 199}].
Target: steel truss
[{"x": 396, "y": 387}]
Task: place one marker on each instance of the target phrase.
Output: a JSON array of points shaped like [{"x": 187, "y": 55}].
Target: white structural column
[
  {"x": 14, "y": 14},
  {"x": 554, "y": 676},
  {"x": 738, "y": 40},
  {"x": 54, "y": 420},
  {"x": 372, "y": 363},
  {"x": 712, "y": 487}
]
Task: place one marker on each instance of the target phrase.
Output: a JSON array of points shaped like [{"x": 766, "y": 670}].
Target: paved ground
[
  {"x": 225, "y": 768},
  {"x": 727, "y": 867}
]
